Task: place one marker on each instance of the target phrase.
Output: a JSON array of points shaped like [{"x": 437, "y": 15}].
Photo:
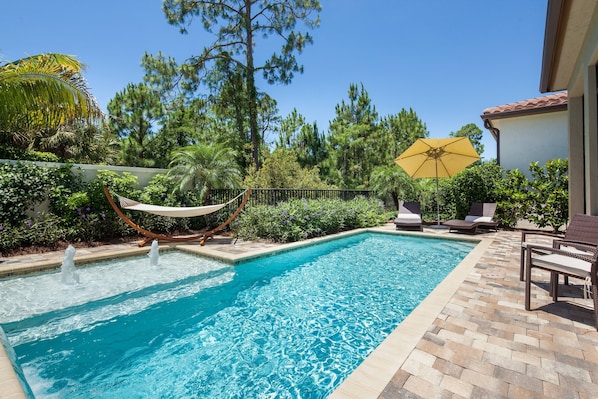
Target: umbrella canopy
[{"x": 437, "y": 158}]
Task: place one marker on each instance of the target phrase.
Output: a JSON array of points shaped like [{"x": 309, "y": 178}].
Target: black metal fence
[{"x": 273, "y": 196}]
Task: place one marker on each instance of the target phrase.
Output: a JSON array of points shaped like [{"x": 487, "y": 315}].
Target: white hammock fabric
[{"x": 172, "y": 211}]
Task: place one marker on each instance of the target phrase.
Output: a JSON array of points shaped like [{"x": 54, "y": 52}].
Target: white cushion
[
  {"x": 477, "y": 219},
  {"x": 564, "y": 264},
  {"x": 408, "y": 216},
  {"x": 540, "y": 247}
]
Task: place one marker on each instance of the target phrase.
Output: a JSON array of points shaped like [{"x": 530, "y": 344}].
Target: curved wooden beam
[
  {"x": 156, "y": 236},
  {"x": 210, "y": 233}
]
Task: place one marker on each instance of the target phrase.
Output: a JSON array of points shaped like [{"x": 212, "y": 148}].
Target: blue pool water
[{"x": 292, "y": 325}]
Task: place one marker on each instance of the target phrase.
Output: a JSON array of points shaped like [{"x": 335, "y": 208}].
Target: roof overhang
[
  {"x": 525, "y": 112},
  {"x": 568, "y": 24}
]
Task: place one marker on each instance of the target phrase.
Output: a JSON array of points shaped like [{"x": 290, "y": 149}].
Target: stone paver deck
[{"x": 471, "y": 338}]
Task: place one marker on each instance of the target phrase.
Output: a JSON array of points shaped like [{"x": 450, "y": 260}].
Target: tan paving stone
[
  {"x": 531, "y": 341},
  {"x": 422, "y": 371},
  {"x": 520, "y": 380},
  {"x": 519, "y": 392},
  {"x": 425, "y": 389},
  {"x": 508, "y": 343},
  {"x": 456, "y": 386},
  {"x": 505, "y": 362},
  {"x": 486, "y": 382},
  {"x": 422, "y": 357},
  {"x": 448, "y": 368},
  {"x": 546, "y": 375},
  {"x": 527, "y": 358},
  {"x": 492, "y": 348},
  {"x": 580, "y": 374}
]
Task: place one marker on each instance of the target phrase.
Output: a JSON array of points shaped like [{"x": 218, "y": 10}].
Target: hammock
[
  {"x": 175, "y": 212},
  {"x": 171, "y": 211}
]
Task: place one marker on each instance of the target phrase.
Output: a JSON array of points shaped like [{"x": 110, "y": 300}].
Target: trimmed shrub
[
  {"x": 297, "y": 220},
  {"x": 549, "y": 194}
]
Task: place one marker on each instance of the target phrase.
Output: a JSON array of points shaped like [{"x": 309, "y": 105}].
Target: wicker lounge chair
[
  {"x": 409, "y": 217},
  {"x": 582, "y": 230},
  {"x": 570, "y": 264},
  {"x": 481, "y": 215}
]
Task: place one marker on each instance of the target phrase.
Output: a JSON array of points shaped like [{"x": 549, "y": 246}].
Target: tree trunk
[{"x": 252, "y": 90}]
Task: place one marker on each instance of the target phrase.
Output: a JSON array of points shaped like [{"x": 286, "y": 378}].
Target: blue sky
[{"x": 447, "y": 60}]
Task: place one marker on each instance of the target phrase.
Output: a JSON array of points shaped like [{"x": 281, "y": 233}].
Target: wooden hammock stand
[{"x": 161, "y": 237}]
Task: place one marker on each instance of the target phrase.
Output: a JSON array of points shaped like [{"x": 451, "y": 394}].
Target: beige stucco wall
[{"x": 531, "y": 138}]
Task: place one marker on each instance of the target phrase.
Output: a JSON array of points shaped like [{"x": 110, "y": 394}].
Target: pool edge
[{"x": 371, "y": 377}]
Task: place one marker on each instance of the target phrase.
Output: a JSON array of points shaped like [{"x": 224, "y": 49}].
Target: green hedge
[{"x": 297, "y": 220}]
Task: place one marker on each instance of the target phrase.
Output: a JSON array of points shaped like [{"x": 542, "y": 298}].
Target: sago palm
[{"x": 43, "y": 92}]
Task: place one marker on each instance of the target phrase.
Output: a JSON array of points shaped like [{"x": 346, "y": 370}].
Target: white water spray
[
  {"x": 68, "y": 273},
  {"x": 154, "y": 254}
]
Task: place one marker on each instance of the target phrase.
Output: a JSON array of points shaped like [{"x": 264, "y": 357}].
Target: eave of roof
[
  {"x": 540, "y": 105},
  {"x": 569, "y": 43},
  {"x": 552, "y": 35}
]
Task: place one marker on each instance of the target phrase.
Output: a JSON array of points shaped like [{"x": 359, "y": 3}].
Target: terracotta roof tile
[{"x": 539, "y": 103}]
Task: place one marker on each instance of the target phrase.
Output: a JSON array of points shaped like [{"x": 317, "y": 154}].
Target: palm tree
[
  {"x": 201, "y": 168},
  {"x": 393, "y": 181},
  {"x": 41, "y": 93}
]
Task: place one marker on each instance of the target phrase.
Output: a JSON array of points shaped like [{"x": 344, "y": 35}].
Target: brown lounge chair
[
  {"x": 409, "y": 217},
  {"x": 582, "y": 230},
  {"x": 481, "y": 215}
]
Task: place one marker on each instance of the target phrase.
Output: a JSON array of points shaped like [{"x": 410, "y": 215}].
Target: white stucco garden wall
[
  {"x": 531, "y": 138},
  {"x": 144, "y": 175}
]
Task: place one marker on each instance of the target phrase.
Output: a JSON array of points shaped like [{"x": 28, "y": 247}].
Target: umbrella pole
[{"x": 437, "y": 202}]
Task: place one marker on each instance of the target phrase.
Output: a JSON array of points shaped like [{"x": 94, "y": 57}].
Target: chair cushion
[
  {"x": 408, "y": 216},
  {"x": 477, "y": 219},
  {"x": 540, "y": 247},
  {"x": 563, "y": 264}
]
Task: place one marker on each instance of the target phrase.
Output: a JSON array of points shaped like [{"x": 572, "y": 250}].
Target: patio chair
[
  {"x": 481, "y": 215},
  {"x": 559, "y": 261},
  {"x": 582, "y": 230},
  {"x": 409, "y": 217}
]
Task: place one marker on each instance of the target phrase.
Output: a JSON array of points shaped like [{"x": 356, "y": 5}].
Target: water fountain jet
[
  {"x": 68, "y": 273},
  {"x": 154, "y": 254}
]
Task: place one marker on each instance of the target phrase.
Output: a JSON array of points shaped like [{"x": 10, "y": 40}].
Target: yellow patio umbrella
[{"x": 437, "y": 158}]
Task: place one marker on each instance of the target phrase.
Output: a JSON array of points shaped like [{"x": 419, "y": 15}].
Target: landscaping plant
[
  {"x": 549, "y": 194},
  {"x": 300, "y": 219}
]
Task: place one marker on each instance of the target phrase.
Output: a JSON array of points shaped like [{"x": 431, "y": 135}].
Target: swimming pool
[{"x": 290, "y": 325}]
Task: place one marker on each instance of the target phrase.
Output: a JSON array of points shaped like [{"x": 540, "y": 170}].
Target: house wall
[
  {"x": 526, "y": 139},
  {"x": 584, "y": 123}
]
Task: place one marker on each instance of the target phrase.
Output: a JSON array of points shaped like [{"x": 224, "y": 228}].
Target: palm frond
[{"x": 44, "y": 92}]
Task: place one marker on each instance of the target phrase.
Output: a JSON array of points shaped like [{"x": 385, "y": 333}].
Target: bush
[
  {"x": 297, "y": 220},
  {"x": 27, "y": 155},
  {"x": 511, "y": 197},
  {"x": 43, "y": 230},
  {"x": 549, "y": 194},
  {"x": 487, "y": 182},
  {"x": 23, "y": 185},
  {"x": 478, "y": 183},
  {"x": 161, "y": 191}
]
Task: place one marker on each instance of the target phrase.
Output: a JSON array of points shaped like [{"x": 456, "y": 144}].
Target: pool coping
[{"x": 370, "y": 378}]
